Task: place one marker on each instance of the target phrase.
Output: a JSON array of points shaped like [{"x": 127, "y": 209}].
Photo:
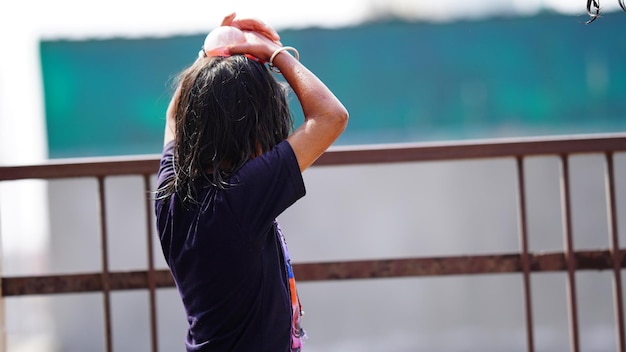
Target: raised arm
[
  {"x": 325, "y": 117},
  {"x": 170, "y": 119}
]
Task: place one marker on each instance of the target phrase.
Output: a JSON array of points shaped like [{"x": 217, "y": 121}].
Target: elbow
[
  {"x": 342, "y": 117},
  {"x": 337, "y": 121},
  {"x": 344, "y": 120},
  {"x": 345, "y": 116}
]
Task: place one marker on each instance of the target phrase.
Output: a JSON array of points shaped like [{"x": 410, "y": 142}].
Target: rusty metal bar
[
  {"x": 369, "y": 154},
  {"x": 71, "y": 168},
  {"x": 569, "y": 254},
  {"x": 525, "y": 257},
  {"x": 472, "y": 149},
  {"x": 453, "y": 265},
  {"x": 614, "y": 248},
  {"x": 87, "y": 282},
  {"x": 104, "y": 278},
  {"x": 150, "y": 274},
  {"x": 364, "y": 269},
  {"x": 3, "y": 323}
]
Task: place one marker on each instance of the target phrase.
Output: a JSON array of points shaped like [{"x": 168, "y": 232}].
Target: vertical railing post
[
  {"x": 523, "y": 235},
  {"x": 3, "y": 322},
  {"x": 569, "y": 254},
  {"x": 615, "y": 251},
  {"x": 106, "y": 289},
  {"x": 151, "y": 280}
]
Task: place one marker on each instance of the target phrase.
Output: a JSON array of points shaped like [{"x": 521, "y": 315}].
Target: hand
[
  {"x": 256, "y": 45},
  {"x": 252, "y": 25}
]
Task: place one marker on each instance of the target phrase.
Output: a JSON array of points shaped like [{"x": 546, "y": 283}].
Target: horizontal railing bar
[
  {"x": 75, "y": 168},
  {"x": 453, "y": 265},
  {"x": 324, "y": 271},
  {"x": 369, "y": 154},
  {"x": 362, "y": 154},
  {"x": 89, "y": 282}
]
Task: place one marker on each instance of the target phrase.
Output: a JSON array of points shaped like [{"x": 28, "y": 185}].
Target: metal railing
[{"x": 524, "y": 262}]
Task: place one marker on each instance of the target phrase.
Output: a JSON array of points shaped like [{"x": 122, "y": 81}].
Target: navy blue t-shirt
[{"x": 226, "y": 254}]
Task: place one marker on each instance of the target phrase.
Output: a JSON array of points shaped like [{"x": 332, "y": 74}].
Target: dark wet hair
[{"x": 230, "y": 110}]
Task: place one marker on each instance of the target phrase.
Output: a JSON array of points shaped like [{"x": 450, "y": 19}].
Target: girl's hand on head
[
  {"x": 252, "y": 25},
  {"x": 256, "y": 45}
]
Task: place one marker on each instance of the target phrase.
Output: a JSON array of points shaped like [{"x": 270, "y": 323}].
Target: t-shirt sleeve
[{"x": 266, "y": 186}]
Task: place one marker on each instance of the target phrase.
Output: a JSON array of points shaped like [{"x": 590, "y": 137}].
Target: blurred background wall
[{"x": 402, "y": 81}]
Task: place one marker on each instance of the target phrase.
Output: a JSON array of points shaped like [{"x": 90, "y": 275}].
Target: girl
[{"x": 231, "y": 164}]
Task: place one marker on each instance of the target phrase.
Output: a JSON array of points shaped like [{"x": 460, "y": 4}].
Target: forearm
[
  {"x": 325, "y": 117},
  {"x": 316, "y": 99}
]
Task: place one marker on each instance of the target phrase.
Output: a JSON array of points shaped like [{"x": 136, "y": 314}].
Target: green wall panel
[{"x": 401, "y": 81}]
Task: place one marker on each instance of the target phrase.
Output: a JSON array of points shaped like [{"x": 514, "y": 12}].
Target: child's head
[{"x": 230, "y": 109}]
